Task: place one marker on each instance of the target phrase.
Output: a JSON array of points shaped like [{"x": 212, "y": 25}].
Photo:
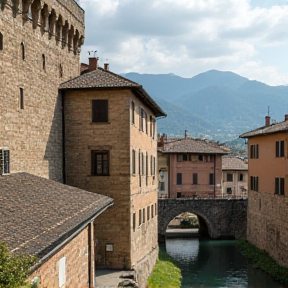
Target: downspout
[
  {"x": 215, "y": 175},
  {"x": 63, "y": 138}
]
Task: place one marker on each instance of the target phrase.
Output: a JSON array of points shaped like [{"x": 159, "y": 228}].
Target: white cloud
[{"x": 187, "y": 37}]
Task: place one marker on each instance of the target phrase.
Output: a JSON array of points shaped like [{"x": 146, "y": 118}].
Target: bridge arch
[{"x": 225, "y": 218}]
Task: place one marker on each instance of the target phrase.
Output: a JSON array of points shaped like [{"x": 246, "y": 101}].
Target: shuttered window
[{"x": 99, "y": 110}]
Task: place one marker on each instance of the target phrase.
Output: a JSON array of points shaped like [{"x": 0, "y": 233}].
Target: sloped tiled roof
[
  {"x": 190, "y": 145},
  {"x": 105, "y": 79},
  {"x": 233, "y": 163},
  {"x": 273, "y": 128},
  {"x": 37, "y": 214}
]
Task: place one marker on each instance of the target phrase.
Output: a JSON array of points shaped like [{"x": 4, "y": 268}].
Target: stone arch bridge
[{"x": 218, "y": 218}]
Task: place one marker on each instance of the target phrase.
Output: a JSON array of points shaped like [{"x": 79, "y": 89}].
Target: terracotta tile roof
[
  {"x": 190, "y": 145},
  {"x": 273, "y": 128},
  {"x": 104, "y": 79},
  {"x": 233, "y": 163},
  {"x": 37, "y": 214}
]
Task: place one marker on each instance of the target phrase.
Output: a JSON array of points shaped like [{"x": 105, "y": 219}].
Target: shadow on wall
[{"x": 54, "y": 148}]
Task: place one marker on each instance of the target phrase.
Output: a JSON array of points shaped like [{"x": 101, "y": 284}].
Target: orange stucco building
[
  {"x": 267, "y": 188},
  {"x": 189, "y": 168}
]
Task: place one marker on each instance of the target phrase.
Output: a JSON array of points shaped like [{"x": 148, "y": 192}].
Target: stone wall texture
[
  {"x": 36, "y": 59},
  {"x": 223, "y": 217},
  {"x": 77, "y": 275},
  {"x": 267, "y": 224},
  {"x": 132, "y": 240}
]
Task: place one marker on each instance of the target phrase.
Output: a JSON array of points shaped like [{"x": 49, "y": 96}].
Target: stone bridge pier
[{"x": 218, "y": 218}]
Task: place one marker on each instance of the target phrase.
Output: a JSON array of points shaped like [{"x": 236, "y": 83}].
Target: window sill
[
  {"x": 98, "y": 175},
  {"x": 98, "y": 123}
]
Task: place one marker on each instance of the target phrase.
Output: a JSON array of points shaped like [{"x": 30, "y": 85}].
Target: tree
[{"x": 13, "y": 268}]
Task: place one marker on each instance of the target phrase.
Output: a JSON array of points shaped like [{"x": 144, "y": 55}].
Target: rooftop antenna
[
  {"x": 268, "y": 110},
  {"x": 90, "y": 52}
]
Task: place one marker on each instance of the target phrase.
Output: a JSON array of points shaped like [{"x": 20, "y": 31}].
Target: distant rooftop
[
  {"x": 191, "y": 145},
  {"x": 233, "y": 163}
]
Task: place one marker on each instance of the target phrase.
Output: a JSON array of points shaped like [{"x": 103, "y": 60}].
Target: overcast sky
[{"x": 188, "y": 37}]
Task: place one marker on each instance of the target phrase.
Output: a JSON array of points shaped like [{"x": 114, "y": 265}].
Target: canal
[{"x": 215, "y": 264}]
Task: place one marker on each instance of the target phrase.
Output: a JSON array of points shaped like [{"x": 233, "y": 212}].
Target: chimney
[
  {"x": 186, "y": 133},
  {"x": 286, "y": 117},
  {"x": 267, "y": 121},
  {"x": 160, "y": 142},
  {"x": 93, "y": 63},
  {"x": 106, "y": 66}
]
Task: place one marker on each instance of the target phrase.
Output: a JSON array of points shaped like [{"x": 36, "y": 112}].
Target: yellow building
[{"x": 267, "y": 188}]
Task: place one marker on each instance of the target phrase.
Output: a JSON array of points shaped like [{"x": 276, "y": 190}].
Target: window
[
  {"x": 143, "y": 215},
  {"x": 241, "y": 177},
  {"x": 139, "y": 167},
  {"x": 254, "y": 183},
  {"x": 43, "y": 61},
  {"x": 179, "y": 178},
  {"x": 100, "y": 163},
  {"x": 148, "y": 213},
  {"x": 60, "y": 71},
  {"x": 279, "y": 148},
  {"x": 4, "y": 162},
  {"x": 147, "y": 164},
  {"x": 179, "y": 195},
  {"x": 21, "y": 98},
  {"x": 182, "y": 157},
  {"x": 229, "y": 177},
  {"x": 200, "y": 157},
  {"x": 152, "y": 211},
  {"x": 143, "y": 164},
  {"x": 279, "y": 186},
  {"x": 195, "y": 178},
  {"x": 132, "y": 112},
  {"x": 155, "y": 205},
  {"x": 1, "y": 41},
  {"x": 99, "y": 110},
  {"x": 134, "y": 221},
  {"x": 140, "y": 214},
  {"x": 254, "y": 151},
  {"x": 22, "y": 50},
  {"x": 211, "y": 179},
  {"x": 133, "y": 161},
  {"x": 146, "y": 122},
  {"x": 62, "y": 271},
  {"x": 229, "y": 190},
  {"x": 162, "y": 186},
  {"x": 141, "y": 119}
]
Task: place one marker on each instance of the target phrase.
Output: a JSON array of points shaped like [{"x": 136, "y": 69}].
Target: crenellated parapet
[{"x": 62, "y": 20}]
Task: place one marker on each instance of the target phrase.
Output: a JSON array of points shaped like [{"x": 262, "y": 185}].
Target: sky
[{"x": 188, "y": 37}]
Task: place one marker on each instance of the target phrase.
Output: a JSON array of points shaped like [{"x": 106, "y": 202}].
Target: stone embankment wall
[
  {"x": 223, "y": 217},
  {"x": 268, "y": 224}
]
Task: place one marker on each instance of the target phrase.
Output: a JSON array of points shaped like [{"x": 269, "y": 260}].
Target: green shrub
[
  {"x": 261, "y": 259},
  {"x": 13, "y": 268},
  {"x": 165, "y": 273}
]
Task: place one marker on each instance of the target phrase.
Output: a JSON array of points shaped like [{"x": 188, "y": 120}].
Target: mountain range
[{"x": 213, "y": 105}]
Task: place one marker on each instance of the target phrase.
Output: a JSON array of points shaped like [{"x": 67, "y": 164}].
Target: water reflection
[{"x": 215, "y": 264}]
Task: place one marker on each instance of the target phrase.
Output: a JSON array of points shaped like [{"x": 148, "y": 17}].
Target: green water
[{"x": 215, "y": 264}]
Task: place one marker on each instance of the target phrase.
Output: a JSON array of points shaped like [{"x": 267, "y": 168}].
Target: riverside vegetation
[
  {"x": 261, "y": 259},
  {"x": 165, "y": 273}
]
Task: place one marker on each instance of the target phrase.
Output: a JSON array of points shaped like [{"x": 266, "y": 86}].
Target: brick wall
[
  {"x": 131, "y": 245},
  {"x": 34, "y": 134},
  {"x": 76, "y": 253}
]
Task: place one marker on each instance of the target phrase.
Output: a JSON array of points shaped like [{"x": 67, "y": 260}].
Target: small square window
[{"x": 100, "y": 163}]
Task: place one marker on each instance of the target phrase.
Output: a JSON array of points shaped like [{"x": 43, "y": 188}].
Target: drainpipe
[{"x": 215, "y": 176}]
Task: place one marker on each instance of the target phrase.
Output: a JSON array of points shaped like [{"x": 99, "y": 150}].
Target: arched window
[
  {"x": 43, "y": 61},
  {"x": 23, "y": 50},
  {"x": 1, "y": 41}
]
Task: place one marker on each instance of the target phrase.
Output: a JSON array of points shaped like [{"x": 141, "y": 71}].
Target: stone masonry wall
[
  {"x": 37, "y": 66},
  {"x": 224, "y": 218},
  {"x": 268, "y": 224},
  {"x": 119, "y": 225},
  {"x": 76, "y": 253}
]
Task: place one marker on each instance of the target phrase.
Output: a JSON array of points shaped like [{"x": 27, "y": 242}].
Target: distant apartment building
[
  {"x": 189, "y": 167},
  {"x": 234, "y": 177},
  {"x": 111, "y": 145},
  {"x": 268, "y": 179}
]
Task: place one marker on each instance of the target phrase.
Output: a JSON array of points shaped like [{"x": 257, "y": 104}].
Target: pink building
[{"x": 189, "y": 168}]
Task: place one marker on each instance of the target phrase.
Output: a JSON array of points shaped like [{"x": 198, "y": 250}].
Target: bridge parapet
[{"x": 225, "y": 218}]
